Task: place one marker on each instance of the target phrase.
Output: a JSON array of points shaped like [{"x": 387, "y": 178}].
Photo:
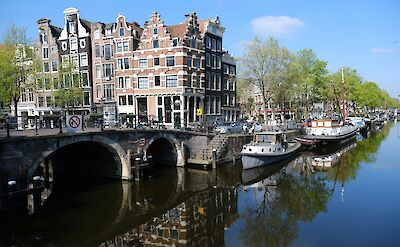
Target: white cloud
[
  {"x": 385, "y": 50},
  {"x": 275, "y": 25}
]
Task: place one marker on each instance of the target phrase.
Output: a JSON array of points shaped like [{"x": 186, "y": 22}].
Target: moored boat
[
  {"x": 327, "y": 131},
  {"x": 267, "y": 148}
]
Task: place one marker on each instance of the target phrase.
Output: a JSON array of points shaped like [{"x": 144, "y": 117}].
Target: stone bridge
[{"x": 108, "y": 153}]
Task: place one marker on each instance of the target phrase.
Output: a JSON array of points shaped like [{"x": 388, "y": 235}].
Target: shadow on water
[{"x": 174, "y": 206}]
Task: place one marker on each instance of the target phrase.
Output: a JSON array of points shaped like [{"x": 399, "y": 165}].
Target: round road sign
[{"x": 74, "y": 122}]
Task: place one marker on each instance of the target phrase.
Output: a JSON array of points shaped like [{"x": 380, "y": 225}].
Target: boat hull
[
  {"x": 325, "y": 139},
  {"x": 250, "y": 161}
]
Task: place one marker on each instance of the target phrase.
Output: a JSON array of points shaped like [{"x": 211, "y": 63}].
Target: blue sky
[{"x": 364, "y": 35}]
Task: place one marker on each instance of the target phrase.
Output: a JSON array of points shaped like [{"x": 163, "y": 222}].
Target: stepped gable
[{"x": 148, "y": 35}]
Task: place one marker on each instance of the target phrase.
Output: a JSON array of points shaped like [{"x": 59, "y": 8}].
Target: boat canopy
[{"x": 268, "y": 137}]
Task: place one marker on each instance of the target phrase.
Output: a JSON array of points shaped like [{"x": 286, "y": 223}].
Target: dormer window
[
  {"x": 156, "y": 44},
  {"x": 71, "y": 26},
  {"x": 175, "y": 42},
  {"x": 194, "y": 42},
  {"x": 155, "y": 30},
  {"x": 108, "y": 32},
  {"x": 43, "y": 38},
  {"x": 97, "y": 34},
  {"x": 122, "y": 31},
  {"x": 74, "y": 43}
]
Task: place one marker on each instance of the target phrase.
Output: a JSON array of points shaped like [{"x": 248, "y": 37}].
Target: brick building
[{"x": 170, "y": 74}]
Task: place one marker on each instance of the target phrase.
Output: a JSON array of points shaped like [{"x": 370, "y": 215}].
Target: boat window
[{"x": 265, "y": 138}]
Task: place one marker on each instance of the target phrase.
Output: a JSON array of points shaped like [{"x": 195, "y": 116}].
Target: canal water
[{"x": 356, "y": 202}]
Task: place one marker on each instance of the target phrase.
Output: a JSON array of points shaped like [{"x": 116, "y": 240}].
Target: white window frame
[{"x": 84, "y": 59}]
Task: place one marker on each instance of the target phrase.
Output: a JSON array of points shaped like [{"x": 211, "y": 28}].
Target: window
[
  {"x": 226, "y": 82},
  {"x": 226, "y": 69},
  {"x": 122, "y": 100},
  {"x": 175, "y": 42},
  {"x": 64, "y": 46},
  {"x": 208, "y": 42},
  {"x": 127, "y": 81},
  {"x": 45, "y": 52},
  {"x": 108, "y": 32},
  {"x": 208, "y": 59},
  {"x": 155, "y": 43},
  {"x": 54, "y": 66},
  {"x": 213, "y": 61},
  {"x": 194, "y": 42},
  {"x": 121, "y": 82},
  {"x": 126, "y": 63},
  {"x": 108, "y": 91},
  {"x": 189, "y": 80},
  {"x": 196, "y": 81},
  {"x": 84, "y": 60},
  {"x": 130, "y": 99},
  {"x": 84, "y": 79},
  {"x": 74, "y": 43},
  {"x": 86, "y": 98},
  {"x": 97, "y": 34},
  {"x": 213, "y": 44},
  {"x": 212, "y": 86},
  {"x": 43, "y": 38},
  {"x": 107, "y": 51},
  {"x": 218, "y": 105},
  {"x": 119, "y": 46},
  {"x": 157, "y": 81},
  {"x": 218, "y": 62},
  {"x": 156, "y": 61},
  {"x": 189, "y": 61},
  {"x": 208, "y": 80},
  {"x": 126, "y": 46},
  {"x": 207, "y": 104},
  {"x": 30, "y": 94},
  {"x": 171, "y": 81},
  {"x": 40, "y": 101},
  {"x": 74, "y": 60},
  {"x": 122, "y": 31},
  {"x": 143, "y": 82},
  {"x": 170, "y": 61},
  {"x": 143, "y": 63},
  {"x": 55, "y": 82},
  {"x": 82, "y": 43},
  {"x": 98, "y": 71},
  {"x": 108, "y": 70},
  {"x": 155, "y": 30},
  {"x": 97, "y": 51},
  {"x": 159, "y": 100},
  {"x": 232, "y": 100},
  {"x": 47, "y": 83},
  {"x": 71, "y": 26},
  {"x": 46, "y": 67},
  {"x": 197, "y": 63},
  {"x": 219, "y": 45},
  {"x": 218, "y": 81},
  {"x": 212, "y": 105}
]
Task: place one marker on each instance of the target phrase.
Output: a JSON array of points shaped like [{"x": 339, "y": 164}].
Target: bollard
[
  {"x": 137, "y": 174},
  {"x": 36, "y": 127},
  {"x": 8, "y": 130},
  {"x": 214, "y": 158},
  {"x": 60, "y": 121}
]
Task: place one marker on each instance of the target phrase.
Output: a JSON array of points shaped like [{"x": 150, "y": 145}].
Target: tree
[
  {"x": 69, "y": 93},
  {"x": 243, "y": 89},
  {"x": 265, "y": 63},
  {"x": 310, "y": 78},
  {"x": 15, "y": 59}
]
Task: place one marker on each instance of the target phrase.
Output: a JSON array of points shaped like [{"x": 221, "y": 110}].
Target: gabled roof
[
  {"x": 55, "y": 31},
  {"x": 85, "y": 23},
  {"x": 177, "y": 30},
  {"x": 109, "y": 25}
]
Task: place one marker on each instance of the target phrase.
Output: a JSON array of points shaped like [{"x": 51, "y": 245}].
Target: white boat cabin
[{"x": 329, "y": 127}]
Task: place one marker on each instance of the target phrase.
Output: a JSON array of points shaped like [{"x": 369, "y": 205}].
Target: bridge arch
[
  {"x": 103, "y": 145},
  {"x": 165, "y": 148}
]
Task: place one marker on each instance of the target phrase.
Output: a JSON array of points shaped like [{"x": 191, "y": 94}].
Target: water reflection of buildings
[{"x": 199, "y": 221}]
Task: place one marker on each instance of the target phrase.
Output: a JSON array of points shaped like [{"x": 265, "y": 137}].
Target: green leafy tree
[
  {"x": 69, "y": 93},
  {"x": 265, "y": 63},
  {"x": 15, "y": 61}
]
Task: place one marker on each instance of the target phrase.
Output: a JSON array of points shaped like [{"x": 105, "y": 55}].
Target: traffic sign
[{"x": 74, "y": 123}]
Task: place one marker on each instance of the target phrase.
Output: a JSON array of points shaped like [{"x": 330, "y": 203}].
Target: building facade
[{"x": 172, "y": 75}]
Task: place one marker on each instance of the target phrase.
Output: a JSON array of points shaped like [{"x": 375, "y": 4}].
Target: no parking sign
[{"x": 74, "y": 123}]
